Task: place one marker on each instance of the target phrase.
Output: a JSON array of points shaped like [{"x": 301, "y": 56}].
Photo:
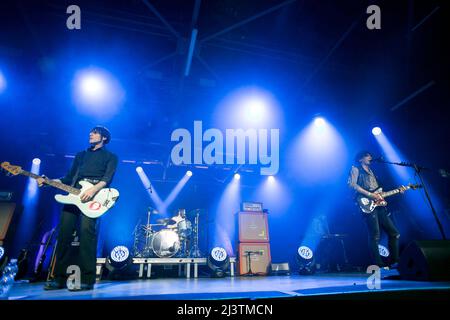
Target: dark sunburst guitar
[{"x": 367, "y": 205}]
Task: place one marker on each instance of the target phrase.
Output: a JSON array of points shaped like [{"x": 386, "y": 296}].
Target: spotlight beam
[
  {"x": 152, "y": 193},
  {"x": 175, "y": 191},
  {"x": 190, "y": 52},
  {"x": 412, "y": 95}
]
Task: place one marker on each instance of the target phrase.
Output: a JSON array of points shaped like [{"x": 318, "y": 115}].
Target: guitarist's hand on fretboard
[{"x": 376, "y": 196}]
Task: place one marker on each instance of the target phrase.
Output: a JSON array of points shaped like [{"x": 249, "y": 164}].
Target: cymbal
[{"x": 163, "y": 221}]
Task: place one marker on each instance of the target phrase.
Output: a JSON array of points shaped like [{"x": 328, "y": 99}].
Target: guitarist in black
[
  {"x": 363, "y": 181},
  {"x": 97, "y": 166}
]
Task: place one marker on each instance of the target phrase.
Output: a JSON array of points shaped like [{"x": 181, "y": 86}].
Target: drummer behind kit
[{"x": 169, "y": 237}]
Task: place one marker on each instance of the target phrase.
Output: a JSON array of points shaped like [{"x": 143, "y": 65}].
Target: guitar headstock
[
  {"x": 14, "y": 170},
  {"x": 415, "y": 186}
]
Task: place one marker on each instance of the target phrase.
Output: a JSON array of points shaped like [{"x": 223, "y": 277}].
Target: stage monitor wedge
[{"x": 426, "y": 261}]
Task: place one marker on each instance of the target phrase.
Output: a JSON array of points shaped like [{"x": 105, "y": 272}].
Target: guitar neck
[
  {"x": 392, "y": 192},
  {"x": 55, "y": 184}
]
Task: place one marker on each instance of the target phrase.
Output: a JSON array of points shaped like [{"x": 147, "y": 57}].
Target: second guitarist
[
  {"x": 97, "y": 166},
  {"x": 363, "y": 181}
]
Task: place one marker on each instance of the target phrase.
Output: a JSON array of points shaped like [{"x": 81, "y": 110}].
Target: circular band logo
[
  {"x": 384, "y": 252},
  {"x": 305, "y": 252},
  {"x": 120, "y": 253},
  {"x": 219, "y": 254}
]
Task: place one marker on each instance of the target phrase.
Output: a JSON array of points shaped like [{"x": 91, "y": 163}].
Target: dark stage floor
[{"x": 294, "y": 286}]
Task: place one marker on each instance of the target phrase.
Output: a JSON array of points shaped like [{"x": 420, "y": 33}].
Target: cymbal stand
[
  {"x": 148, "y": 231},
  {"x": 195, "y": 251}
]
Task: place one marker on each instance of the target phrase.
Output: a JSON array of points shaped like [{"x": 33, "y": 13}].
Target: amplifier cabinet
[
  {"x": 253, "y": 227},
  {"x": 254, "y": 258}
]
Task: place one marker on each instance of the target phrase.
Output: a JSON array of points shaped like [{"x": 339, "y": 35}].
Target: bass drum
[{"x": 165, "y": 243}]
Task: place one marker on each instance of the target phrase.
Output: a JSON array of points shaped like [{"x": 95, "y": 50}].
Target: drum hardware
[
  {"x": 143, "y": 249},
  {"x": 195, "y": 251},
  {"x": 177, "y": 237}
]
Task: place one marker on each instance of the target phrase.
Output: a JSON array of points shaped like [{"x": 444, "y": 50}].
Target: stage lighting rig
[
  {"x": 218, "y": 262},
  {"x": 118, "y": 263},
  {"x": 306, "y": 260}
]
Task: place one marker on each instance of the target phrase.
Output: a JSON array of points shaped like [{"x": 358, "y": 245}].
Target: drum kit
[{"x": 168, "y": 237}]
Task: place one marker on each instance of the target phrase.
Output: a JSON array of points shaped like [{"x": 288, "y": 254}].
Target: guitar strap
[{"x": 76, "y": 176}]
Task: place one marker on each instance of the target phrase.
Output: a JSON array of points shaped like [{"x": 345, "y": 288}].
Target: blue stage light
[
  {"x": 312, "y": 150},
  {"x": 271, "y": 179},
  {"x": 139, "y": 169},
  {"x": 249, "y": 108},
  {"x": 97, "y": 93},
  {"x": 237, "y": 176},
  {"x": 177, "y": 189},
  {"x": 376, "y": 131},
  {"x": 119, "y": 255},
  {"x": 218, "y": 262},
  {"x": 255, "y": 109},
  {"x": 306, "y": 261},
  {"x": 2, "y": 82},
  {"x": 36, "y": 161},
  {"x": 319, "y": 122},
  {"x": 93, "y": 86}
]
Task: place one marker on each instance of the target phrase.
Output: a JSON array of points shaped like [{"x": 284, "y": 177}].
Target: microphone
[{"x": 378, "y": 159}]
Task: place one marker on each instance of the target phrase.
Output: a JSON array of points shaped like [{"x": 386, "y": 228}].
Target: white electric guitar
[
  {"x": 104, "y": 200},
  {"x": 367, "y": 205}
]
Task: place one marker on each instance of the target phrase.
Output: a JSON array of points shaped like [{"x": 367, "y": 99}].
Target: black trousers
[
  {"x": 87, "y": 255},
  {"x": 380, "y": 217}
]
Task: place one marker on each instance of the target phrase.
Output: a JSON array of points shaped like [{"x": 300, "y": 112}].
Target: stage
[{"x": 321, "y": 286}]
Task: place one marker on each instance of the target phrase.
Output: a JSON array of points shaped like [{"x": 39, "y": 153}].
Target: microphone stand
[{"x": 417, "y": 169}]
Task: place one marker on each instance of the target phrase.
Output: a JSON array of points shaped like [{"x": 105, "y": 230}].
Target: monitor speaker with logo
[
  {"x": 253, "y": 227},
  {"x": 254, "y": 258},
  {"x": 426, "y": 261}
]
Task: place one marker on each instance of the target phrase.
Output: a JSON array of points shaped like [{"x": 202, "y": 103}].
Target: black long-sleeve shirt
[{"x": 99, "y": 165}]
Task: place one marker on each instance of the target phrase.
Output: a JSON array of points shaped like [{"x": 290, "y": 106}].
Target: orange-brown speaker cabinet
[
  {"x": 6, "y": 213},
  {"x": 253, "y": 227},
  {"x": 254, "y": 258}
]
